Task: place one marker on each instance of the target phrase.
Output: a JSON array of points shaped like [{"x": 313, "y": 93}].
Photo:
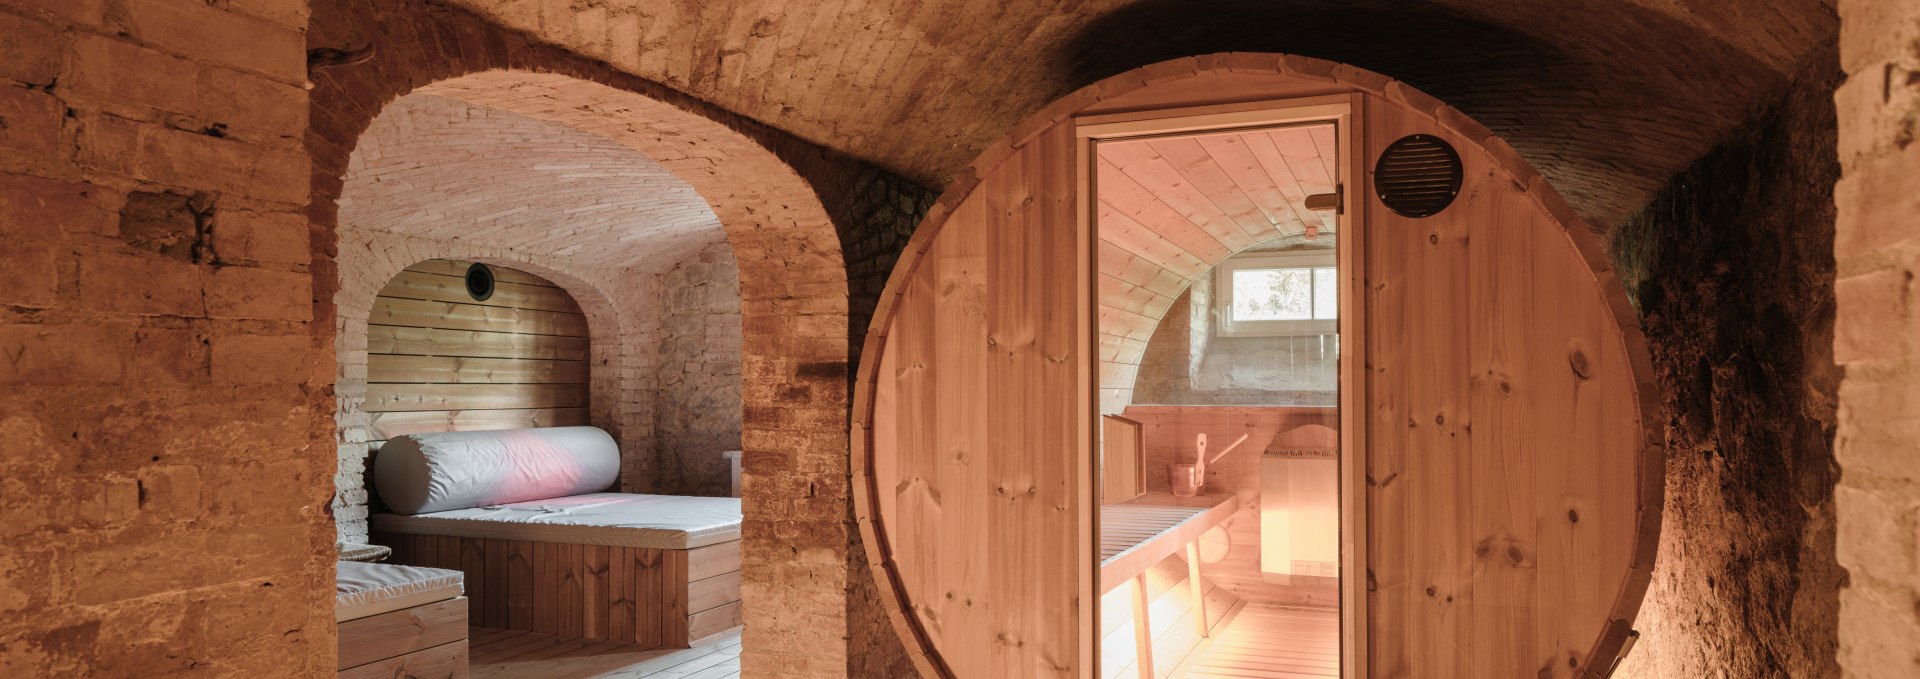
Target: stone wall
[
  {"x": 1732, "y": 268},
  {"x": 697, "y": 410},
  {"x": 1186, "y": 363},
  {"x": 164, "y": 398},
  {"x": 1875, "y": 338}
]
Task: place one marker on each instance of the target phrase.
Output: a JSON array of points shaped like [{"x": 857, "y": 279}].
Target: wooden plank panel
[
  {"x": 520, "y": 591},
  {"x": 672, "y": 611},
  {"x": 620, "y": 574},
  {"x": 466, "y": 370},
  {"x": 1142, "y": 162},
  {"x": 594, "y": 592},
  {"x": 446, "y": 661},
  {"x": 713, "y": 621},
  {"x": 401, "y": 632},
  {"x": 443, "y": 288},
  {"x": 546, "y": 588},
  {"x": 414, "y": 313},
  {"x": 711, "y": 560},
  {"x": 458, "y": 267},
  {"x": 649, "y": 585},
  {"x": 493, "y": 591},
  {"x": 422, "y": 397},
  {"x": 712, "y": 592},
  {"x": 392, "y": 339},
  {"x": 399, "y": 423},
  {"x": 571, "y": 590},
  {"x": 1205, "y": 175}
]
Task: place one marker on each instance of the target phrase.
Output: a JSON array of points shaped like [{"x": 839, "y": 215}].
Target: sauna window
[{"x": 1277, "y": 295}]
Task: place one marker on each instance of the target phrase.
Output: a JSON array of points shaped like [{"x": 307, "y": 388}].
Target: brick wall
[
  {"x": 1732, "y": 268},
  {"x": 163, "y": 397},
  {"x": 1875, "y": 338},
  {"x": 697, "y": 411}
]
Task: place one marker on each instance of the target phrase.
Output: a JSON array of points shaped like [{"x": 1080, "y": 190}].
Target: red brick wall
[
  {"x": 1877, "y": 252},
  {"x": 163, "y": 398}
]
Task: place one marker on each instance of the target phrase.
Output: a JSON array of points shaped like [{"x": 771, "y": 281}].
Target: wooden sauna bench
[
  {"x": 638, "y": 573},
  {"x": 1141, "y": 532}
]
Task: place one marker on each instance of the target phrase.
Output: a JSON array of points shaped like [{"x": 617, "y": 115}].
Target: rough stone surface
[
  {"x": 1877, "y": 254},
  {"x": 1732, "y": 268},
  {"x": 164, "y": 413},
  {"x": 1604, "y": 96},
  {"x": 697, "y": 411}
]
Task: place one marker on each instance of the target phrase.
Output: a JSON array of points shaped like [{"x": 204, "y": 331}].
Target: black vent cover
[
  {"x": 479, "y": 282},
  {"x": 1418, "y": 176}
]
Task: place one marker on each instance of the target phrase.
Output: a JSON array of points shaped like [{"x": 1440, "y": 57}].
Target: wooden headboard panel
[{"x": 439, "y": 360}]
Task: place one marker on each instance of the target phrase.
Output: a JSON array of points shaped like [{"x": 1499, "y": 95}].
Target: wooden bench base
[
  {"x": 650, "y": 597},
  {"x": 427, "y": 642}
]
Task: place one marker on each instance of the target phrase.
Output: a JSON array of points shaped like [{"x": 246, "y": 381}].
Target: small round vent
[
  {"x": 1418, "y": 176},
  {"x": 479, "y": 282}
]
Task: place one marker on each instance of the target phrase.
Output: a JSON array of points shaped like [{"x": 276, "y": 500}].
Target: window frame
[{"x": 1222, "y": 311}]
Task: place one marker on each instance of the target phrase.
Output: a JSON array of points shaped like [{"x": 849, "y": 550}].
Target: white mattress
[
  {"x": 367, "y": 589},
  {"x": 611, "y": 519}
]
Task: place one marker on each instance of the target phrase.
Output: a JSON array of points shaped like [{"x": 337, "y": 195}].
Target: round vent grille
[
  {"x": 479, "y": 282},
  {"x": 1418, "y": 176}
]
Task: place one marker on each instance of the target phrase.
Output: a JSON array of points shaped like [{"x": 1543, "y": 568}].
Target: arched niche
[{"x": 1504, "y": 516}]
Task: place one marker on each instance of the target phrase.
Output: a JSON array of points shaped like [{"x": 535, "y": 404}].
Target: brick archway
[{"x": 799, "y": 550}]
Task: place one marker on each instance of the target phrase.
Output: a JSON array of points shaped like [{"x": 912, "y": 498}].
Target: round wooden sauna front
[{"x": 1505, "y": 507}]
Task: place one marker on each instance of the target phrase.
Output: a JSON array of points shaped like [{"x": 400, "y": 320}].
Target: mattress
[
  {"x": 367, "y": 589},
  {"x": 609, "y": 519}
]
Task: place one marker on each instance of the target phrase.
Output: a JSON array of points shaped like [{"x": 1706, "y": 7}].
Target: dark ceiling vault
[{"x": 1608, "y": 98}]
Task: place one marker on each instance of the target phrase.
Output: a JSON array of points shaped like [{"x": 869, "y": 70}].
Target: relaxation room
[{"x": 540, "y": 402}]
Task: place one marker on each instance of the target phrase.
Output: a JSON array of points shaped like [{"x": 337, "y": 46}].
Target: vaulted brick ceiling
[
  {"x": 1607, "y": 97},
  {"x": 445, "y": 169}
]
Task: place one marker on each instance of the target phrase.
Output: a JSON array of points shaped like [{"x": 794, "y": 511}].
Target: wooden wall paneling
[
  {"x": 390, "y": 339},
  {"x": 416, "y": 313},
  {"x": 439, "y": 360},
  {"x": 433, "y": 286}
]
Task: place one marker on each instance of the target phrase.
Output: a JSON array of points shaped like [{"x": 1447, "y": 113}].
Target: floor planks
[
  {"x": 519, "y": 654},
  {"x": 1270, "y": 642}
]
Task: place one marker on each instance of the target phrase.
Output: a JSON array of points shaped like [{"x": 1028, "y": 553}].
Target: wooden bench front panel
[{"x": 651, "y": 597}]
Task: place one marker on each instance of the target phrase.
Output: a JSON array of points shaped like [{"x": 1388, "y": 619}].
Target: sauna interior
[
  {"x": 527, "y": 339},
  {"x": 1227, "y": 566}
]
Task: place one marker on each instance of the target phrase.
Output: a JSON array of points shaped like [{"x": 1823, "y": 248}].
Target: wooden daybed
[
  {"x": 653, "y": 570},
  {"x": 400, "y": 621},
  {"x": 520, "y": 513}
]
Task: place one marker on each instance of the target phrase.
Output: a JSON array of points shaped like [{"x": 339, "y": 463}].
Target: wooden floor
[
  {"x": 518, "y": 654},
  {"x": 1269, "y": 642}
]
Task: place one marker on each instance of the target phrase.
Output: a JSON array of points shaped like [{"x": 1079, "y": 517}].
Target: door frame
[{"x": 1347, "y": 112}]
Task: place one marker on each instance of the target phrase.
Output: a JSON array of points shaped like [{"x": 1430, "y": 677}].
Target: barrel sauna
[{"x": 1503, "y": 503}]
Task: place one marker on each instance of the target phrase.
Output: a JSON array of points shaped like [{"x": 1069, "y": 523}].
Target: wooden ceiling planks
[{"x": 1159, "y": 195}]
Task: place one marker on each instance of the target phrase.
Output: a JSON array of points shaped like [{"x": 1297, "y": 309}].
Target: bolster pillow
[{"x": 421, "y": 473}]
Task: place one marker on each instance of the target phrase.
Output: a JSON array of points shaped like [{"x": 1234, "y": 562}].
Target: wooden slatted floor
[
  {"x": 1269, "y": 642},
  {"x": 518, "y": 654}
]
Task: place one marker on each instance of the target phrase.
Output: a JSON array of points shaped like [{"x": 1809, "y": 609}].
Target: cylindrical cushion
[{"x": 422, "y": 473}]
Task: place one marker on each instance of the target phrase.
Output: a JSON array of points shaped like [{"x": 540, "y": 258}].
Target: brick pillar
[{"x": 1875, "y": 338}]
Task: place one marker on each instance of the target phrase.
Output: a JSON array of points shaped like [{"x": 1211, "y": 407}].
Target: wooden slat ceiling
[{"x": 1170, "y": 208}]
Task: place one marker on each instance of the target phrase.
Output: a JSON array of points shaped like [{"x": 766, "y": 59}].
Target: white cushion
[
  {"x": 367, "y": 589},
  {"x": 610, "y": 519},
  {"x": 420, "y": 473}
]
